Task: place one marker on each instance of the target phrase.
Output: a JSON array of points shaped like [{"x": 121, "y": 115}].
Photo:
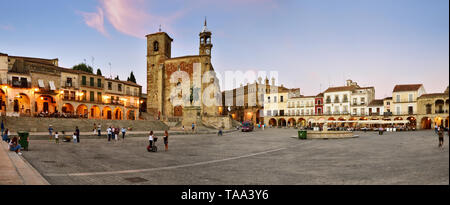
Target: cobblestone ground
[{"x": 272, "y": 156}]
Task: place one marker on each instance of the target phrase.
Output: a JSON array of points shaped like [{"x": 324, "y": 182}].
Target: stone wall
[{"x": 32, "y": 124}]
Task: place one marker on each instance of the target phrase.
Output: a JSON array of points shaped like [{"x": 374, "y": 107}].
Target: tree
[
  {"x": 83, "y": 67},
  {"x": 132, "y": 78},
  {"x": 99, "y": 72},
  {"x": 117, "y": 78}
]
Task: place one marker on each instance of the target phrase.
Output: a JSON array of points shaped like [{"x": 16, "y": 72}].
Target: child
[
  {"x": 74, "y": 137},
  {"x": 57, "y": 137}
]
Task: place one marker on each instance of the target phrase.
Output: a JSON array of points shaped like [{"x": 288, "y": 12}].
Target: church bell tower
[{"x": 205, "y": 41}]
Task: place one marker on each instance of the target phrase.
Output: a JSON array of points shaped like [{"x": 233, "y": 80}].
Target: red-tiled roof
[
  {"x": 407, "y": 87},
  {"x": 319, "y": 95},
  {"x": 36, "y": 60},
  {"x": 432, "y": 95},
  {"x": 376, "y": 103},
  {"x": 340, "y": 89}
]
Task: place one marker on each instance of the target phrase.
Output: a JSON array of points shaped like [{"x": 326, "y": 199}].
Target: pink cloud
[
  {"x": 7, "y": 27},
  {"x": 95, "y": 20},
  {"x": 131, "y": 17}
]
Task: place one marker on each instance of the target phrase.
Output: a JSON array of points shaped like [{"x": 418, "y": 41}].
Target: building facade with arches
[{"x": 38, "y": 87}]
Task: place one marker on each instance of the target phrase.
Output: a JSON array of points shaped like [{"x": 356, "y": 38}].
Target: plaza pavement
[
  {"x": 272, "y": 156},
  {"x": 14, "y": 170}
]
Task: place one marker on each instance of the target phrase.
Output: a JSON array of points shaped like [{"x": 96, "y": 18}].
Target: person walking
[
  {"x": 95, "y": 129},
  {"x": 193, "y": 127},
  {"x": 50, "y": 131},
  {"x": 99, "y": 129},
  {"x": 56, "y": 137},
  {"x": 441, "y": 136},
  {"x": 436, "y": 129},
  {"x": 166, "y": 140},
  {"x": 108, "y": 131},
  {"x": 77, "y": 131},
  {"x": 123, "y": 132}
]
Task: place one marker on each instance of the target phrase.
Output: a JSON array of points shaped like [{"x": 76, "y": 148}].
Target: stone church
[{"x": 169, "y": 91}]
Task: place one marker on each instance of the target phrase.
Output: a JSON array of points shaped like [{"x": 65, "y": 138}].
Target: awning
[
  {"x": 41, "y": 83},
  {"x": 52, "y": 85}
]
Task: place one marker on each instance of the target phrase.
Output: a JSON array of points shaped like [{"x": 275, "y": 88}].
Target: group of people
[
  {"x": 153, "y": 138},
  {"x": 13, "y": 144},
  {"x": 60, "y": 115},
  {"x": 113, "y": 132},
  {"x": 75, "y": 136}
]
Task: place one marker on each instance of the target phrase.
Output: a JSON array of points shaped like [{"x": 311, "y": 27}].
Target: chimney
[{"x": 273, "y": 81}]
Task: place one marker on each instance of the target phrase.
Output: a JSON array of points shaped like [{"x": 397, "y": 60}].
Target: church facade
[{"x": 174, "y": 83}]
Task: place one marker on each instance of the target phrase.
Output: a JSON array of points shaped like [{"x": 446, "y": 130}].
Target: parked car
[{"x": 247, "y": 127}]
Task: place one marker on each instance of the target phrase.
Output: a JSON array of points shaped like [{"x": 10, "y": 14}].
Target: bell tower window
[{"x": 155, "y": 46}]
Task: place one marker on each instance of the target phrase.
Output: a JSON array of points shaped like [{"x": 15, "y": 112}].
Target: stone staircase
[{"x": 32, "y": 124}]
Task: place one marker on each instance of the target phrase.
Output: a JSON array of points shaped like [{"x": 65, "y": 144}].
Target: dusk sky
[{"x": 311, "y": 43}]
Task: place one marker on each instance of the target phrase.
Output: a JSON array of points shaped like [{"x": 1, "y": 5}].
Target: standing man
[
  {"x": 193, "y": 127},
  {"x": 3, "y": 127},
  {"x": 441, "y": 136},
  {"x": 50, "y": 131},
  {"x": 108, "y": 130},
  {"x": 99, "y": 129},
  {"x": 123, "y": 132},
  {"x": 77, "y": 131},
  {"x": 436, "y": 128}
]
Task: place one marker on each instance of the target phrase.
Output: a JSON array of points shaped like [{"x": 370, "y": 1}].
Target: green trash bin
[
  {"x": 302, "y": 134},
  {"x": 23, "y": 140}
]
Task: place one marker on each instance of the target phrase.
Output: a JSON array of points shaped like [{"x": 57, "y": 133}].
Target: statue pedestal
[{"x": 191, "y": 114}]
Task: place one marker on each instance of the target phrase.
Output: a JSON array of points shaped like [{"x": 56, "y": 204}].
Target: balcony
[
  {"x": 68, "y": 84},
  {"x": 19, "y": 84},
  {"x": 94, "y": 86},
  {"x": 441, "y": 111}
]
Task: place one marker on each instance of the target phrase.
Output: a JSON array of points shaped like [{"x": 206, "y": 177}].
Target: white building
[{"x": 300, "y": 106}]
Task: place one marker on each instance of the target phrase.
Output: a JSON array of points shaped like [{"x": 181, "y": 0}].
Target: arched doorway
[
  {"x": 118, "y": 114},
  {"x": 425, "y": 123},
  {"x": 178, "y": 111},
  {"x": 439, "y": 106},
  {"x": 291, "y": 122},
  {"x": 446, "y": 122},
  {"x": 131, "y": 115},
  {"x": 107, "y": 113},
  {"x": 95, "y": 112},
  {"x": 439, "y": 121},
  {"x": 67, "y": 109},
  {"x": 302, "y": 122},
  {"x": 282, "y": 122},
  {"x": 82, "y": 111},
  {"x": 22, "y": 104},
  {"x": 2, "y": 101},
  {"x": 46, "y": 104},
  {"x": 273, "y": 122},
  {"x": 412, "y": 122}
]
